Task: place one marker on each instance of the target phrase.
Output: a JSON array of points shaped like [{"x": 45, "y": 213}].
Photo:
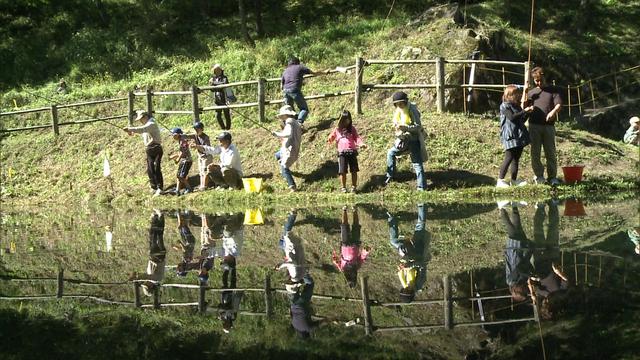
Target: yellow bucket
[
  {"x": 253, "y": 217},
  {"x": 252, "y": 185}
]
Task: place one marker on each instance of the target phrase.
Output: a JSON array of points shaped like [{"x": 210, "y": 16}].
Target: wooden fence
[{"x": 260, "y": 101}]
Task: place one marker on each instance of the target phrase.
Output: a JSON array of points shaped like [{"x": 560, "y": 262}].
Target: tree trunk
[
  {"x": 259, "y": 25},
  {"x": 243, "y": 24}
]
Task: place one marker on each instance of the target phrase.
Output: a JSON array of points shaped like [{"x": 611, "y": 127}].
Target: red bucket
[
  {"x": 572, "y": 174},
  {"x": 574, "y": 208}
]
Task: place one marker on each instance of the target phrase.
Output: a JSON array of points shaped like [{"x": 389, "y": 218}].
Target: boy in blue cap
[{"x": 183, "y": 159}]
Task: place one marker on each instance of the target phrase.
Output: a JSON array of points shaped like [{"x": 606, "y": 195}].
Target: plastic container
[
  {"x": 572, "y": 174},
  {"x": 252, "y": 185},
  {"x": 574, "y": 207}
]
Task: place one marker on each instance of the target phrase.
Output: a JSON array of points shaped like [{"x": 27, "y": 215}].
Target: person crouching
[{"x": 228, "y": 173}]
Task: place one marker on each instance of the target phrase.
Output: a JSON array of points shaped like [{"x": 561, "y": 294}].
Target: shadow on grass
[{"x": 326, "y": 171}]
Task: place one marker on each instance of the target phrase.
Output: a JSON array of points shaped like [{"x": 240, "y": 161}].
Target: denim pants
[
  {"x": 416, "y": 161},
  {"x": 286, "y": 172},
  {"x": 295, "y": 96}
]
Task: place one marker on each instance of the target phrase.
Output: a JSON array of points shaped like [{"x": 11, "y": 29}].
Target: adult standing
[
  {"x": 291, "y": 84},
  {"x": 221, "y": 96},
  {"x": 546, "y": 102},
  {"x": 291, "y": 138},
  {"x": 410, "y": 136},
  {"x": 153, "y": 147}
]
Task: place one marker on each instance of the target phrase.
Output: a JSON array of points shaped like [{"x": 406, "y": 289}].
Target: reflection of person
[
  {"x": 187, "y": 245},
  {"x": 291, "y": 138},
  {"x": 228, "y": 173},
  {"x": 632, "y": 135},
  {"x": 517, "y": 255},
  {"x": 220, "y": 96},
  {"x": 300, "y": 298},
  {"x": 410, "y": 136},
  {"x": 229, "y": 300},
  {"x": 294, "y": 260},
  {"x": 157, "y": 255},
  {"x": 351, "y": 256},
  {"x": 634, "y": 237},
  {"x": 513, "y": 135},
  {"x": 546, "y": 101},
  {"x": 414, "y": 255},
  {"x": 153, "y": 147}
]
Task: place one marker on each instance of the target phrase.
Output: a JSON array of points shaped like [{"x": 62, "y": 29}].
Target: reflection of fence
[
  {"x": 447, "y": 301},
  {"x": 260, "y": 100}
]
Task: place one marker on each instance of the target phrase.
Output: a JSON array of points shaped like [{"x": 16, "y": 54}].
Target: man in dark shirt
[
  {"x": 546, "y": 102},
  {"x": 291, "y": 84}
]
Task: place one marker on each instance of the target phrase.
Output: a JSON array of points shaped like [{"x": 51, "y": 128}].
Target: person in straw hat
[
  {"x": 291, "y": 138},
  {"x": 153, "y": 146}
]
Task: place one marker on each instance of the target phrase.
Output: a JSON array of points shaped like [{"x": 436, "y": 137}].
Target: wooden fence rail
[{"x": 260, "y": 101}]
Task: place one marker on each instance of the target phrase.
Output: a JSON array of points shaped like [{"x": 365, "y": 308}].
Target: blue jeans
[
  {"x": 416, "y": 161},
  {"x": 295, "y": 95},
  {"x": 286, "y": 172}
]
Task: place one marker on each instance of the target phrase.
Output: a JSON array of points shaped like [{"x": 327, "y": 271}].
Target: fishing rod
[{"x": 72, "y": 108}]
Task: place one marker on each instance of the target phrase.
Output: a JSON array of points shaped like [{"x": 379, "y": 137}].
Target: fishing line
[{"x": 253, "y": 121}]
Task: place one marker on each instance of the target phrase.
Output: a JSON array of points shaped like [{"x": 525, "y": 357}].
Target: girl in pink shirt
[
  {"x": 348, "y": 140},
  {"x": 351, "y": 256}
]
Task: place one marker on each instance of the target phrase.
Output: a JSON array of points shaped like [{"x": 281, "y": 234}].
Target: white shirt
[{"x": 229, "y": 157}]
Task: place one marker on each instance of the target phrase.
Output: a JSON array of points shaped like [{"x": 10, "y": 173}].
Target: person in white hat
[
  {"x": 631, "y": 136},
  {"x": 153, "y": 147},
  {"x": 291, "y": 137},
  {"x": 221, "y": 96}
]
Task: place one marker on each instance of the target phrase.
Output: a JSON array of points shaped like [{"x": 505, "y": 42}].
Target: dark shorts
[
  {"x": 345, "y": 160},
  {"x": 183, "y": 168},
  {"x": 350, "y": 235}
]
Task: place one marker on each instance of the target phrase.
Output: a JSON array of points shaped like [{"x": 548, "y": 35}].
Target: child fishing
[
  {"x": 348, "y": 141},
  {"x": 183, "y": 159}
]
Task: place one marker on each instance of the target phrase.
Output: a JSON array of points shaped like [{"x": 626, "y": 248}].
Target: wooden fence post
[
  {"x": 267, "y": 296},
  {"x": 368, "y": 321},
  {"x": 136, "y": 294},
  {"x": 615, "y": 81},
  {"x": 440, "y": 89},
  {"x": 358, "y": 90},
  {"x": 448, "y": 304},
  {"x": 60, "y": 282},
  {"x": 150, "y": 102},
  {"x": 194, "y": 103},
  {"x": 202, "y": 304},
  {"x": 262, "y": 85},
  {"x": 131, "y": 103},
  {"x": 464, "y": 91},
  {"x": 579, "y": 100},
  {"x": 54, "y": 119},
  {"x": 569, "y": 99},
  {"x": 156, "y": 296},
  {"x": 593, "y": 97}
]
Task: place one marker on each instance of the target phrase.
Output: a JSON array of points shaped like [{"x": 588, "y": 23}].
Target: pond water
[{"x": 450, "y": 280}]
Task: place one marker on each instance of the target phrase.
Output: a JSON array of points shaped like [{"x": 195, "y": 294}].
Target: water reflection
[
  {"x": 414, "y": 254},
  {"x": 321, "y": 252}
]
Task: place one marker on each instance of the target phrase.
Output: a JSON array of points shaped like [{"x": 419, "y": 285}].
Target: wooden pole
[
  {"x": 569, "y": 99},
  {"x": 593, "y": 97},
  {"x": 615, "y": 81},
  {"x": 156, "y": 296},
  {"x": 448, "y": 304},
  {"x": 464, "y": 91},
  {"x": 202, "y": 304},
  {"x": 358, "y": 87},
  {"x": 262, "y": 85},
  {"x": 368, "y": 321},
  {"x": 557, "y": 116},
  {"x": 131, "y": 104},
  {"x": 527, "y": 75},
  {"x": 504, "y": 79},
  {"x": 54, "y": 119},
  {"x": 579, "y": 100},
  {"x": 150, "y": 102},
  {"x": 194, "y": 103},
  {"x": 267, "y": 296},
  {"x": 440, "y": 86},
  {"x": 575, "y": 266},
  {"x": 586, "y": 268},
  {"x": 473, "y": 312},
  {"x": 136, "y": 294},
  {"x": 60, "y": 282}
]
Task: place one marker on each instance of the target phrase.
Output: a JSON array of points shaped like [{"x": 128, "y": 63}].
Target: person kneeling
[{"x": 228, "y": 173}]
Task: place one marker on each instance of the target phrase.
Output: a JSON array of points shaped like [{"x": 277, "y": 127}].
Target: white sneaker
[
  {"x": 554, "y": 182},
  {"x": 519, "y": 203},
  {"x": 539, "y": 180},
  {"x": 158, "y": 192},
  {"x": 502, "y": 203},
  {"x": 501, "y": 184},
  {"x": 519, "y": 183}
]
